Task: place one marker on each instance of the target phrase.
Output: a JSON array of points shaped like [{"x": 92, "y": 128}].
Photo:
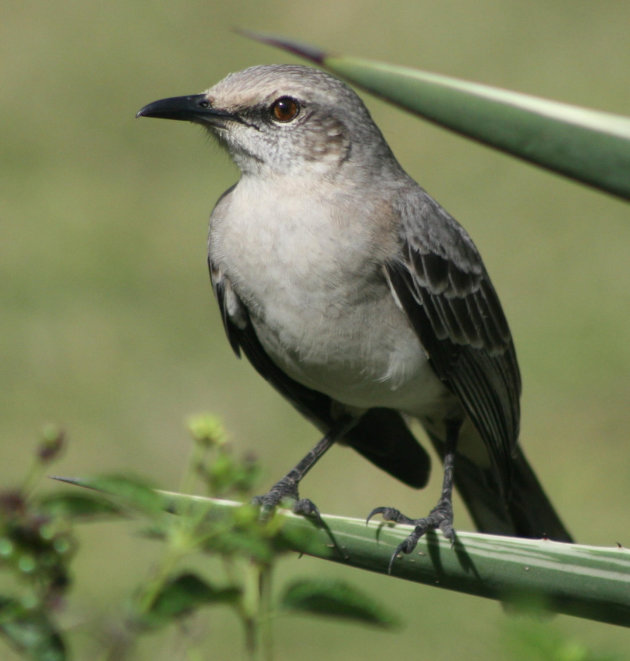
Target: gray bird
[{"x": 361, "y": 300}]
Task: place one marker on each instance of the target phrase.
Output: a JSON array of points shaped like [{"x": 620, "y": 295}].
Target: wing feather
[{"x": 443, "y": 287}]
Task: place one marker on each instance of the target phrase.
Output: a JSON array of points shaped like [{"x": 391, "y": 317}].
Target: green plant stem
[
  {"x": 265, "y": 612},
  {"x": 249, "y": 611},
  {"x": 35, "y": 473},
  {"x": 255, "y": 611},
  {"x": 584, "y": 581},
  {"x": 197, "y": 456},
  {"x": 160, "y": 576}
]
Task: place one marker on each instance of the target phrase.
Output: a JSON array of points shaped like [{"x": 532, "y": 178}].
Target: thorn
[
  {"x": 68, "y": 480},
  {"x": 297, "y": 48}
]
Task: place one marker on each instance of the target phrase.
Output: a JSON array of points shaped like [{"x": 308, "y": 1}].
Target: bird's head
[{"x": 281, "y": 119}]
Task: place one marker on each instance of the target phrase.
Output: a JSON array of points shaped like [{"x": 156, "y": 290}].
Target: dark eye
[{"x": 285, "y": 109}]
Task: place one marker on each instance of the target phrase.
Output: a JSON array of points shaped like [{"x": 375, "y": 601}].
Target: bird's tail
[{"x": 524, "y": 512}]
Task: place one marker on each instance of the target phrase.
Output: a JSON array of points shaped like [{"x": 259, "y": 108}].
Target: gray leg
[
  {"x": 287, "y": 487},
  {"x": 441, "y": 516}
]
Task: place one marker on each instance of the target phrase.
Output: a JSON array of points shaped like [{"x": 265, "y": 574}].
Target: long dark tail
[{"x": 525, "y": 512}]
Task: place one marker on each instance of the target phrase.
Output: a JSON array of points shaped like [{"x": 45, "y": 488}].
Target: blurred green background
[{"x": 107, "y": 324}]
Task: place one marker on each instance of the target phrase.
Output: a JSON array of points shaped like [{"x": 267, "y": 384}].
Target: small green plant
[{"x": 37, "y": 546}]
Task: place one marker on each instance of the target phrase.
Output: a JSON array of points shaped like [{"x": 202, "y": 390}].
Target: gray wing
[
  {"x": 442, "y": 285},
  {"x": 380, "y": 435}
]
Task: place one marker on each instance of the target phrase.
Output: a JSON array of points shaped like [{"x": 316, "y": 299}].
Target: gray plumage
[{"x": 357, "y": 296}]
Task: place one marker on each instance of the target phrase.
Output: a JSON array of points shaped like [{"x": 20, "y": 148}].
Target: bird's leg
[
  {"x": 441, "y": 516},
  {"x": 287, "y": 487}
]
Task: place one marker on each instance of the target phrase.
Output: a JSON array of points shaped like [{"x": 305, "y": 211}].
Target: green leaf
[
  {"x": 31, "y": 632},
  {"x": 587, "y": 145},
  {"x": 576, "y": 579},
  {"x": 336, "y": 599},
  {"x": 182, "y": 595},
  {"x": 127, "y": 491},
  {"x": 77, "y": 505}
]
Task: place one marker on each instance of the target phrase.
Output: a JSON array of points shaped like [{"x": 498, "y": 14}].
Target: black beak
[{"x": 194, "y": 108}]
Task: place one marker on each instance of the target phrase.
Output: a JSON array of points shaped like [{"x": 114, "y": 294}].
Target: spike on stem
[{"x": 312, "y": 53}]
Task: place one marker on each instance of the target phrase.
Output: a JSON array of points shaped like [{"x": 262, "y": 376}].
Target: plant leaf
[
  {"x": 490, "y": 566},
  {"x": 337, "y": 599},
  {"x": 590, "y": 146},
  {"x": 77, "y": 505},
  {"x": 31, "y": 632},
  {"x": 576, "y": 579},
  {"x": 182, "y": 595},
  {"x": 127, "y": 491}
]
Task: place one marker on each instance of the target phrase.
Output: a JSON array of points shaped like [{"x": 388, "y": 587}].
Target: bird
[{"x": 362, "y": 301}]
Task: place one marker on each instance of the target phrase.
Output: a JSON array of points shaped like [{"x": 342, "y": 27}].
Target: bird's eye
[{"x": 285, "y": 109}]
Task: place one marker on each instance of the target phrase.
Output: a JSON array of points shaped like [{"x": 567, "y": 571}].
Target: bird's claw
[
  {"x": 440, "y": 517},
  {"x": 391, "y": 515},
  {"x": 286, "y": 490}
]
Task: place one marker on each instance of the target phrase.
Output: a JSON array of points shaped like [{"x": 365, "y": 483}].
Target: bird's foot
[
  {"x": 440, "y": 517},
  {"x": 286, "y": 490}
]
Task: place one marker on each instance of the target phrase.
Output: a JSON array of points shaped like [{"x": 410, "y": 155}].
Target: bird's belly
[{"x": 362, "y": 353}]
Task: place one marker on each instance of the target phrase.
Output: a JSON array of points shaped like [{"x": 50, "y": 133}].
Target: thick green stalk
[{"x": 585, "y": 581}]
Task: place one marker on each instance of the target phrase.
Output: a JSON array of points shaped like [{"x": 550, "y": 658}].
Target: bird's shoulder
[
  {"x": 444, "y": 271},
  {"x": 428, "y": 229}
]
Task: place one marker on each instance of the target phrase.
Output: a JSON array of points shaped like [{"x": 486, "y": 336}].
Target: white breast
[{"x": 313, "y": 283}]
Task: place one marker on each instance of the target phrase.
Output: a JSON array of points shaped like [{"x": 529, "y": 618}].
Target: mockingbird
[{"x": 361, "y": 300}]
